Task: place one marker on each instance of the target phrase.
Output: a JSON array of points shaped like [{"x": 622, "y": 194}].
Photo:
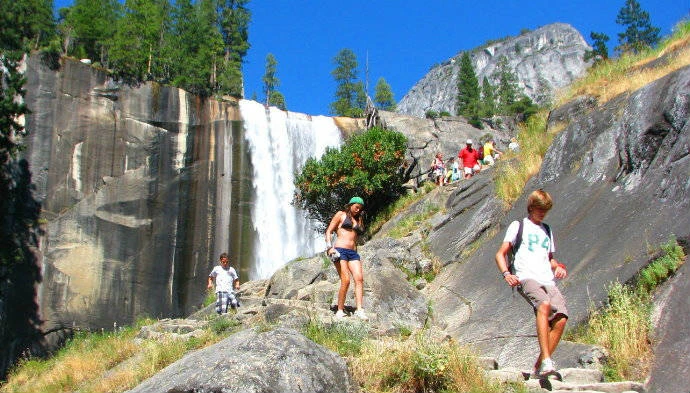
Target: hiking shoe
[
  {"x": 340, "y": 314},
  {"x": 359, "y": 313},
  {"x": 547, "y": 368}
]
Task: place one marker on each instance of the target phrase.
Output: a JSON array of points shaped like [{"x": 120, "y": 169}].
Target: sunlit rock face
[
  {"x": 130, "y": 180},
  {"x": 544, "y": 60}
]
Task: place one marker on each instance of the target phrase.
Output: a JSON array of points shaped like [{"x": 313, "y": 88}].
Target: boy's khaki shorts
[{"x": 536, "y": 293}]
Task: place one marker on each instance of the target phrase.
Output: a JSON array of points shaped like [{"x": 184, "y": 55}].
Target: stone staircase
[{"x": 574, "y": 380}]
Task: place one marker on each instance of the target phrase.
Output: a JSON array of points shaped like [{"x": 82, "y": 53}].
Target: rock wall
[
  {"x": 619, "y": 174},
  {"x": 128, "y": 179},
  {"x": 546, "y": 59}
]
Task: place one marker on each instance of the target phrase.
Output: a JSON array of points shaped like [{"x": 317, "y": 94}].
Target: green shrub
[
  {"x": 345, "y": 338},
  {"x": 444, "y": 114},
  {"x": 431, "y": 114},
  {"x": 367, "y": 165},
  {"x": 624, "y": 325},
  {"x": 221, "y": 324}
]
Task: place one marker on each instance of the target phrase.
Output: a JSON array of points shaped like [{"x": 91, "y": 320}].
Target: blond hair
[{"x": 539, "y": 199}]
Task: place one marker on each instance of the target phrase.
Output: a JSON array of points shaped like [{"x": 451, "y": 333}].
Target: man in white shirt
[
  {"x": 534, "y": 272},
  {"x": 225, "y": 278}
]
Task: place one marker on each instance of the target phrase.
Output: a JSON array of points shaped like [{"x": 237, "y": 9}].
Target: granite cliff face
[
  {"x": 545, "y": 59},
  {"x": 128, "y": 178}
]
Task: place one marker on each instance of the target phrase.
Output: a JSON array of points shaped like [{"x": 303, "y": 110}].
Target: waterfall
[{"x": 280, "y": 143}]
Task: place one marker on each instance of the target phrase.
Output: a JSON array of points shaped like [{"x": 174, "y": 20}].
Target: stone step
[{"x": 602, "y": 387}]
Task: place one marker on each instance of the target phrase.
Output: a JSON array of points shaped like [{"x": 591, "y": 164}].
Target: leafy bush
[
  {"x": 431, "y": 114},
  {"x": 444, "y": 114},
  {"x": 367, "y": 165}
]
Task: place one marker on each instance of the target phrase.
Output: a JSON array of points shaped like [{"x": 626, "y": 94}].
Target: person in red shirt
[{"x": 470, "y": 159}]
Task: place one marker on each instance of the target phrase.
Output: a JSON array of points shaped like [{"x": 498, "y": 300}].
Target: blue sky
[{"x": 403, "y": 39}]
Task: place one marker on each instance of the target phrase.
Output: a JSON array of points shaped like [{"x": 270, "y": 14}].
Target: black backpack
[{"x": 518, "y": 240}]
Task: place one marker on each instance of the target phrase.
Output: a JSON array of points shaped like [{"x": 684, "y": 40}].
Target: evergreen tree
[
  {"x": 600, "y": 51},
  {"x": 92, "y": 24},
  {"x": 488, "y": 103},
  {"x": 347, "y": 88},
  {"x": 383, "y": 96},
  {"x": 28, "y": 23},
  {"x": 138, "y": 41},
  {"x": 193, "y": 46},
  {"x": 507, "y": 87},
  {"x": 468, "y": 90},
  {"x": 639, "y": 32},
  {"x": 234, "y": 18},
  {"x": 271, "y": 82},
  {"x": 361, "y": 98},
  {"x": 278, "y": 100},
  {"x": 19, "y": 269}
]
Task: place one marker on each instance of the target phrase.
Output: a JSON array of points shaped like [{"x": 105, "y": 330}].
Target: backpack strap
[{"x": 515, "y": 247}]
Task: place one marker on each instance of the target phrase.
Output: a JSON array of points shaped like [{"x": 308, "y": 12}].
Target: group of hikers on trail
[
  {"x": 471, "y": 159},
  {"x": 525, "y": 259}
]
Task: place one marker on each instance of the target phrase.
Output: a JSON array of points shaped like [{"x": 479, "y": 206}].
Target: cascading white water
[{"x": 280, "y": 143}]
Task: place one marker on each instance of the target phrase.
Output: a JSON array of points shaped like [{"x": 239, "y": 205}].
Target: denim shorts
[{"x": 348, "y": 255}]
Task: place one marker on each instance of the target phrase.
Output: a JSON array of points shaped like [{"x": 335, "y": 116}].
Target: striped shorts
[{"x": 225, "y": 299}]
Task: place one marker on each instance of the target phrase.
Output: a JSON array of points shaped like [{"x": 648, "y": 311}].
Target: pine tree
[
  {"x": 468, "y": 89},
  {"x": 92, "y": 23},
  {"x": 383, "y": 96},
  {"x": 138, "y": 41},
  {"x": 347, "y": 88},
  {"x": 29, "y": 23},
  {"x": 19, "y": 212},
  {"x": 488, "y": 103},
  {"x": 234, "y": 18},
  {"x": 639, "y": 32},
  {"x": 271, "y": 82},
  {"x": 507, "y": 87},
  {"x": 193, "y": 46},
  {"x": 278, "y": 100},
  {"x": 599, "y": 52}
]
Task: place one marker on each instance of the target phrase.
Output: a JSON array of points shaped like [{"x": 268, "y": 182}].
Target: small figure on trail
[
  {"x": 533, "y": 271},
  {"x": 438, "y": 169},
  {"x": 491, "y": 153},
  {"x": 513, "y": 145},
  {"x": 225, "y": 279},
  {"x": 453, "y": 174},
  {"x": 470, "y": 159},
  {"x": 348, "y": 225}
]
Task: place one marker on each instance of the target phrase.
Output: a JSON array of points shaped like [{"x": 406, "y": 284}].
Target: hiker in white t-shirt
[
  {"x": 225, "y": 279},
  {"x": 533, "y": 271}
]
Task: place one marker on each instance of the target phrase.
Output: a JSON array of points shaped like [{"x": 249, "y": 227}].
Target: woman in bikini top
[{"x": 348, "y": 226}]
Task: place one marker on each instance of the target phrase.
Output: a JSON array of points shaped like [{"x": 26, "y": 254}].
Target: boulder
[{"x": 279, "y": 361}]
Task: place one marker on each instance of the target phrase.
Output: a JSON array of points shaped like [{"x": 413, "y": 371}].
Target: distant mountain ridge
[{"x": 545, "y": 59}]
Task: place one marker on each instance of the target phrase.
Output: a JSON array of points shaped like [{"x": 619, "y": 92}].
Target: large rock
[
  {"x": 389, "y": 299},
  {"x": 672, "y": 338},
  {"x": 135, "y": 184},
  {"x": 278, "y": 361},
  {"x": 544, "y": 60},
  {"x": 619, "y": 177}
]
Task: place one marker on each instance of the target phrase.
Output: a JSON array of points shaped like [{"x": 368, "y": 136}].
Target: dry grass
[
  {"x": 633, "y": 71},
  {"x": 101, "y": 363},
  {"x": 624, "y": 328},
  {"x": 515, "y": 169},
  {"x": 418, "y": 364}
]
